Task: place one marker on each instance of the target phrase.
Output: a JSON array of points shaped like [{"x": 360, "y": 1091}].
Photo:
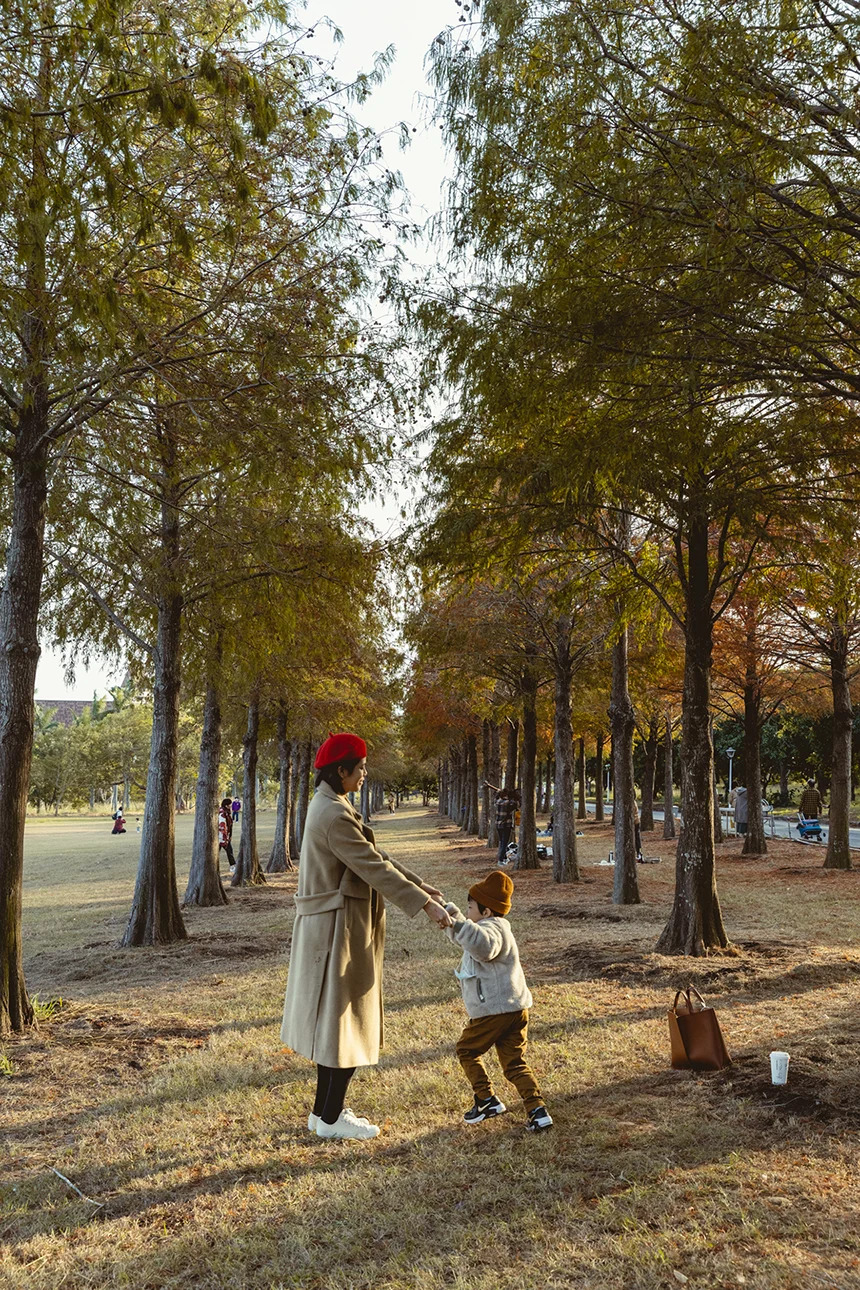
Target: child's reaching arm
[{"x": 482, "y": 940}]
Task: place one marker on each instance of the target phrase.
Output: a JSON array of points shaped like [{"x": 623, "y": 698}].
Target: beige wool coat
[{"x": 333, "y": 1005}]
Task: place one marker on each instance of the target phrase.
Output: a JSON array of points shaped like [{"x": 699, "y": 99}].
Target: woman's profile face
[{"x": 353, "y": 780}]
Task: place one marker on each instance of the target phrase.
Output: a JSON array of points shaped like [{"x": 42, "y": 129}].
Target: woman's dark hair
[
  {"x": 328, "y": 774},
  {"x": 226, "y": 801}
]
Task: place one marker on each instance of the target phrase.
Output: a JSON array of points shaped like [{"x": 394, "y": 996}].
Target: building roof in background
[{"x": 67, "y": 711}]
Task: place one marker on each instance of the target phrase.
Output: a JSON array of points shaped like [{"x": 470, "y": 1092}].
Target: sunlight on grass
[{"x": 160, "y": 1088}]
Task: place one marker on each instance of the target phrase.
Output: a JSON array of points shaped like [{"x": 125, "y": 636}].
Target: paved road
[{"x": 781, "y": 829}]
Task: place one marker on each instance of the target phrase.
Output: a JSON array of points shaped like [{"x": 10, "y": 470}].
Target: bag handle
[{"x": 691, "y": 989}]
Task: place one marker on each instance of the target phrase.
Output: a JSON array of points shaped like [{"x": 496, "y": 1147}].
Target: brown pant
[{"x": 507, "y": 1032}]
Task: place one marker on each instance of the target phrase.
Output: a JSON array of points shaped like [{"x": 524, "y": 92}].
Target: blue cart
[{"x": 810, "y": 830}]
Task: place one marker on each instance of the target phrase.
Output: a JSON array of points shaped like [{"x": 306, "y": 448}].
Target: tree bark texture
[
  {"x": 625, "y": 887},
  {"x": 527, "y": 857},
  {"x": 303, "y": 791},
  {"x": 565, "y": 864},
  {"x": 754, "y": 842},
  {"x": 495, "y": 777},
  {"x": 838, "y": 850},
  {"x": 513, "y": 734},
  {"x": 598, "y": 782},
  {"x": 581, "y": 809},
  {"x": 646, "y": 819},
  {"x": 279, "y": 860},
  {"x": 248, "y": 872},
  {"x": 484, "y": 788},
  {"x": 294, "y": 797},
  {"x": 696, "y": 924},
  {"x": 155, "y": 917},
  {"x": 471, "y": 820},
  {"x": 204, "y": 880},
  {"x": 668, "y": 782},
  {"x": 19, "y": 653}
]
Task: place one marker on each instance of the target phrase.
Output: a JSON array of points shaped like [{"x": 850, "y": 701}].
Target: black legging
[{"x": 332, "y": 1083}]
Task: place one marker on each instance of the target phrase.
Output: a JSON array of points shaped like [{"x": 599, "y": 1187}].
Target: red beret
[{"x": 338, "y": 747}]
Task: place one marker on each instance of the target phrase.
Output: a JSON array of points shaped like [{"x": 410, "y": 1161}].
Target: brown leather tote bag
[{"x": 694, "y": 1034}]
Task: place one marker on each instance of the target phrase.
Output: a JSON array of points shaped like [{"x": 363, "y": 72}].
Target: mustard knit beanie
[{"x": 494, "y": 892}]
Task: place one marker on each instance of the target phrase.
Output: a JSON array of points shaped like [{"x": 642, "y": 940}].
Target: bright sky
[{"x": 368, "y": 26}]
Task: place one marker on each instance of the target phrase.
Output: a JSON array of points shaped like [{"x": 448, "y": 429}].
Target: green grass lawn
[{"x": 161, "y": 1091}]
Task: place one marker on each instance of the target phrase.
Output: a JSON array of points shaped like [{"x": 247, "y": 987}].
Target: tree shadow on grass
[{"x": 350, "y": 1214}]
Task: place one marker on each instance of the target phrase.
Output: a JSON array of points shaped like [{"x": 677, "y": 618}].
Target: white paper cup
[{"x": 779, "y": 1068}]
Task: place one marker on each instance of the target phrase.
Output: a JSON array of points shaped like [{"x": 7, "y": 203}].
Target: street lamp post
[{"x": 730, "y": 753}]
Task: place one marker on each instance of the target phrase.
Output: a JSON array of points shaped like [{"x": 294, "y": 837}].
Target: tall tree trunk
[
  {"x": 581, "y": 809},
  {"x": 293, "y": 833},
  {"x": 303, "y": 792},
  {"x": 472, "y": 784},
  {"x": 598, "y": 779},
  {"x": 279, "y": 860},
  {"x": 625, "y": 887},
  {"x": 495, "y": 777},
  {"x": 204, "y": 880},
  {"x": 646, "y": 821},
  {"x": 248, "y": 872},
  {"x": 565, "y": 864},
  {"x": 838, "y": 848},
  {"x": 484, "y": 793},
  {"x": 754, "y": 842},
  {"x": 668, "y": 782},
  {"x": 696, "y": 923},
  {"x": 443, "y": 787},
  {"x": 513, "y": 735},
  {"x": 527, "y": 857},
  {"x": 155, "y": 915},
  {"x": 20, "y": 596}
]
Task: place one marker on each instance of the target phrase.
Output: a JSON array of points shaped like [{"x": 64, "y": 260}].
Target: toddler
[{"x": 497, "y": 1000}]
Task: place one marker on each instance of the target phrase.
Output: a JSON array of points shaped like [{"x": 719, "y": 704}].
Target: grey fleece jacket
[{"x": 491, "y": 978}]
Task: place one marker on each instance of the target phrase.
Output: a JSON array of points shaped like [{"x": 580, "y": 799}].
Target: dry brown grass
[{"x": 160, "y": 1090}]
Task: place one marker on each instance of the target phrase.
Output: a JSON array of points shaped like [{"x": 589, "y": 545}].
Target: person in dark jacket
[
  {"x": 810, "y": 801},
  {"x": 225, "y": 830},
  {"x": 506, "y": 807}
]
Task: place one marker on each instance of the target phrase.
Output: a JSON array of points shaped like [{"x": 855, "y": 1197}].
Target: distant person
[
  {"x": 741, "y": 809},
  {"x": 506, "y": 806},
  {"x": 235, "y": 807},
  {"x": 225, "y": 831},
  {"x": 810, "y": 801},
  {"x": 391, "y": 803},
  {"x": 637, "y": 832},
  {"x": 118, "y": 823}
]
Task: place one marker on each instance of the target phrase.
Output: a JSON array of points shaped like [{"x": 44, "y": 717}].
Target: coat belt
[{"x": 324, "y": 901}]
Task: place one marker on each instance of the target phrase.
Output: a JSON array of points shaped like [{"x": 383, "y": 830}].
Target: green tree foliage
[{"x": 626, "y": 324}]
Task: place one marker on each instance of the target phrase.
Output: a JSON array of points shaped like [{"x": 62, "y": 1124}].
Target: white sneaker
[
  {"x": 347, "y": 1125},
  {"x": 313, "y": 1120}
]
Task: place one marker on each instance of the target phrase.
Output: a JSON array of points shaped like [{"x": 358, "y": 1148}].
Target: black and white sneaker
[
  {"x": 539, "y": 1118},
  {"x": 484, "y": 1110}
]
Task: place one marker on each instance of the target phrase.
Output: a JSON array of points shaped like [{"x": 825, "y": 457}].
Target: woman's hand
[
  {"x": 437, "y": 913},
  {"x": 433, "y": 891}
]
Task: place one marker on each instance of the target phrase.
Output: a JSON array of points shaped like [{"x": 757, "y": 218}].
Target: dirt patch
[
  {"x": 220, "y": 945},
  {"x": 753, "y": 967},
  {"x": 823, "y": 1081},
  {"x": 567, "y": 913}
]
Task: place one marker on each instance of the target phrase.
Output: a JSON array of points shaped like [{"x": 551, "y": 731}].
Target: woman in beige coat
[{"x": 333, "y": 1005}]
